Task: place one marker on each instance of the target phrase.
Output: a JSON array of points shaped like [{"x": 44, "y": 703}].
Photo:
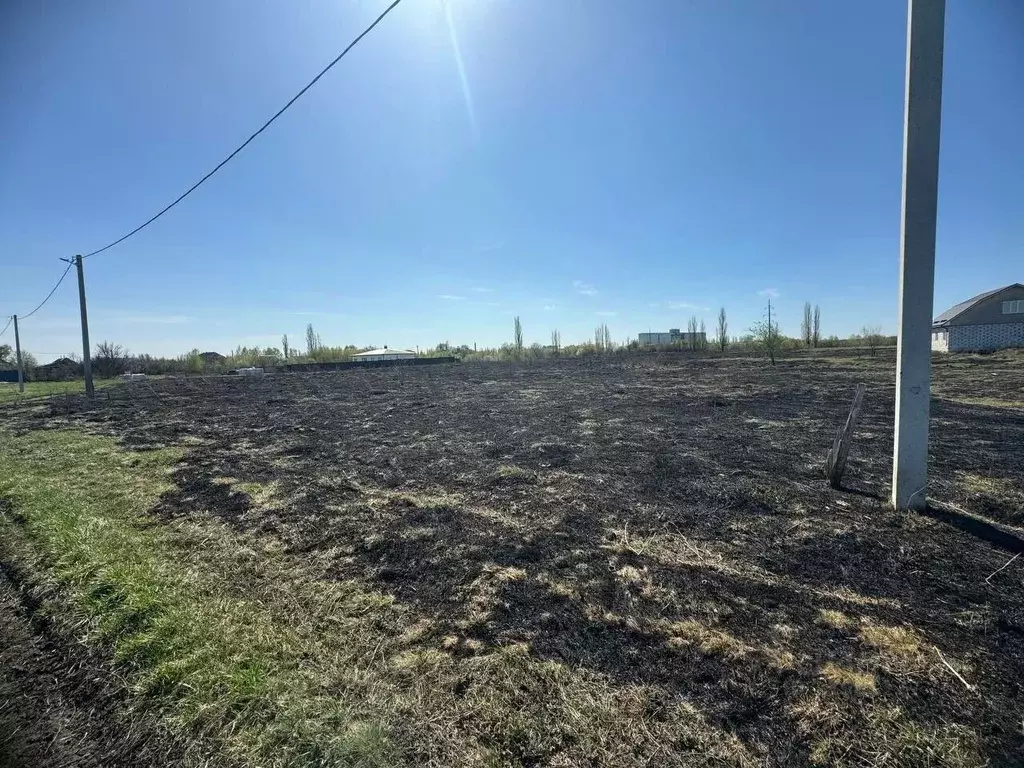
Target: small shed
[{"x": 374, "y": 355}]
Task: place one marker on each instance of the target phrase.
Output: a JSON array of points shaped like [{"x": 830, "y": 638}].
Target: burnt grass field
[{"x": 662, "y": 526}]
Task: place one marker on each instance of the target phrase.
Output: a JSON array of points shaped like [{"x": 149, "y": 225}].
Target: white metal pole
[{"x": 923, "y": 109}]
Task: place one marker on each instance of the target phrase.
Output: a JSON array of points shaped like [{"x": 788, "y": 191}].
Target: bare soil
[{"x": 667, "y": 523}]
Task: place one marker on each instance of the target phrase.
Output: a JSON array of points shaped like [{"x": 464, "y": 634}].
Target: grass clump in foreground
[{"x": 216, "y": 664}]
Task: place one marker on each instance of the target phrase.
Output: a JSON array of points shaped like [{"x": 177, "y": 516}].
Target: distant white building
[
  {"x": 373, "y": 355},
  {"x": 673, "y": 336},
  {"x": 991, "y": 320}
]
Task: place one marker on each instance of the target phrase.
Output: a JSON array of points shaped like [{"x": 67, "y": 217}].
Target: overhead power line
[
  {"x": 52, "y": 291},
  {"x": 9, "y": 321},
  {"x": 245, "y": 143}
]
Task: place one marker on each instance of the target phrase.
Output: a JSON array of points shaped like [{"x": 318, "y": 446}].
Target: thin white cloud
[
  {"x": 492, "y": 303},
  {"x": 585, "y": 288},
  {"x": 772, "y": 292},
  {"x": 607, "y": 314},
  {"x": 495, "y": 246},
  {"x": 654, "y": 304},
  {"x": 548, "y": 307},
  {"x": 450, "y": 297}
]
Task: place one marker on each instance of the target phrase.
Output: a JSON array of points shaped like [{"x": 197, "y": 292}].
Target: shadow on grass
[{"x": 982, "y": 529}]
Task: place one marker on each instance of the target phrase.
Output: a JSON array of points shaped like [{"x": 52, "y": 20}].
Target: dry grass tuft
[
  {"x": 631, "y": 575},
  {"x": 844, "y": 731},
  {"x": 835, "y": 619},
  {"x": 862, "y": 682},
  {"x": 714, "y": 642},
  {"x": 509, "y": 474},
  {"x": 502, "y": 574},
  {"x": 896, "y": 643},
  {"x": 975, "y": 483},
  {"x": 260, "y": 494}
]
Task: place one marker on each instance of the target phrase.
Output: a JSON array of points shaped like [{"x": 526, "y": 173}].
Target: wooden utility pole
[
  {"x": 86, "y": 359},
  {"x": 921, "y": 128},
  {"x": 21, "y": 364}
]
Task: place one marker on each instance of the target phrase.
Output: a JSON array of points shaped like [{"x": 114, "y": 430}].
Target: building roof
[
  {"x": 60, "y": 362},
  {"x": 963, "y": 306},
  {"x": 384, "y": 351}
]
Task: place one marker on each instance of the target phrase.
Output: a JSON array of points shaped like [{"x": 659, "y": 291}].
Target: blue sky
[{"x": 570, "y": 161}]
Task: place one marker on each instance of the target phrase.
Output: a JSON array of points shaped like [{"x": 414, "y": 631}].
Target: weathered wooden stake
[{"x": 835, "y": 464}]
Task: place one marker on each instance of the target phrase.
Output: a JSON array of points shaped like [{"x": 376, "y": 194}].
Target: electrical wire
[
  {"x": 244, "y": 144},
  {"x": 52, "y": 291},
  {"x": 9, "y": 321}
]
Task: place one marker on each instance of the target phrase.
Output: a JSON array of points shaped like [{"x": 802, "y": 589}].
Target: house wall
[
  {"x": 666, "y": 339},
  {"x": 378, "y": 358},
  {"x": 978, "y": 338},
  {"x": 990, "y": 311}
]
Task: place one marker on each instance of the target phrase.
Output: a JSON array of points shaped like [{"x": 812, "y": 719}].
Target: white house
[
  {"x": 374, "y": 355},
  {"x": 674, "y": 336},
  {"x": 989, "y": 321}
]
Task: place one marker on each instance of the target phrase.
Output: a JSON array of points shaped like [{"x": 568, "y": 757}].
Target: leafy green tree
[{"x": 766, "y": 335}]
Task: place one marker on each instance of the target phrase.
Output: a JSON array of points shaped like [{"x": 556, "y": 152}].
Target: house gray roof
[{"x": 963, "y": 306}]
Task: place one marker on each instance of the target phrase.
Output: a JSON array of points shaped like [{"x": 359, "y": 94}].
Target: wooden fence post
[{"x": 835, "y": 464}]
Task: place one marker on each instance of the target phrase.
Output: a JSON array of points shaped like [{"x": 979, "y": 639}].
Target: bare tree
[
  {"x": 691, "y": 331},
  {"x": 556, "y": 341},
  {"x": 807, "y": 325},
  {"x": 816, "y": 326},
  {"x": 313, "y": 344},
  {"x": 109, "y": 359},
  {"x": 29, "y": 365},
  {"x": 765, "y": 333},
  {"x": 517, "y": 337},
  {"x": 722, "y": 334},
  {"x": 284, "y": 346},
  {"x": 873, "y": 337},
  {"x": 606, "y": 337},
  {"x": 702, "y": 339}
]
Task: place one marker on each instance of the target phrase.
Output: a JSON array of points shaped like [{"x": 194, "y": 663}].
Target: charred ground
[{"x": 662, "y": 526}]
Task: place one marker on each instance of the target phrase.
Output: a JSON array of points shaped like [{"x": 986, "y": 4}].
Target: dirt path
[{"x": 55, "y": 707}]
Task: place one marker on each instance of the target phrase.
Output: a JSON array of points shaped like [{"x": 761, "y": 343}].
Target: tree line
[{"x": 111, "y": 359}]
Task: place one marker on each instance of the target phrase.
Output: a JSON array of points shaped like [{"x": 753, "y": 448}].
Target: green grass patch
[
  {"x": 181, "y": 609},
  {"x": 9, "y": 392}
]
